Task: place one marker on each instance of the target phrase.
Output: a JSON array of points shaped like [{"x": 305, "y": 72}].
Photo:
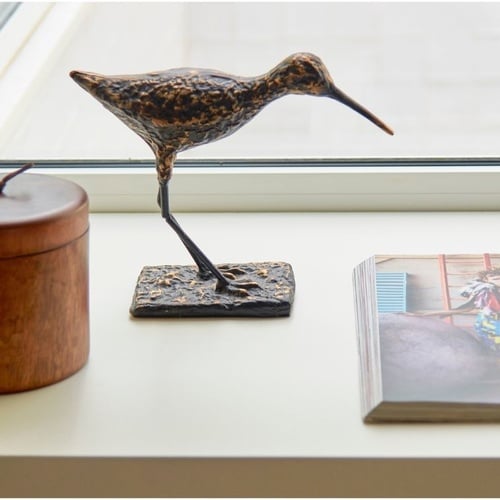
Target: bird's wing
[{"x": 184, "y": 97}]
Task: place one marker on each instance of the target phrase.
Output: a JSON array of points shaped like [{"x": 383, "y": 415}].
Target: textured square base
[{"x": 178, "y": 291}]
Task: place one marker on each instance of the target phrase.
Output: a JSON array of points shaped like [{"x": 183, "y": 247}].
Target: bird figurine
[{"x": 178, "y": 109}]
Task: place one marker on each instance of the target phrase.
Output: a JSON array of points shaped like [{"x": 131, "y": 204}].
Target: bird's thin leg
[{"x": 205, "y": 266}]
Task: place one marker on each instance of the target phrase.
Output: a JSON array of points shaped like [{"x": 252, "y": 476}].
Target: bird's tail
[{"x": 88, "y": 81}]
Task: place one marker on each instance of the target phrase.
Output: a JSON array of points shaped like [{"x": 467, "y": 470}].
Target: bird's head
[{"x": 305, "y": 73}]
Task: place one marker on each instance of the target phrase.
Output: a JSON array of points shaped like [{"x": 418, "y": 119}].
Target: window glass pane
[
  {"x": 429, "y": 70},
  {"x": 6, "y": 10}
]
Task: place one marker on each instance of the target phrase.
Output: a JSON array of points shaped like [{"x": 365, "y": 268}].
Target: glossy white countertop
[{"x": 283, "y": 388}]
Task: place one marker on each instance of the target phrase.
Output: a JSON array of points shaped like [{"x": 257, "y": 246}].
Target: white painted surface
[{"x": 238, "y": 387}]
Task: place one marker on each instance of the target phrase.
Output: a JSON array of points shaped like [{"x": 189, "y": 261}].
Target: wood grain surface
[
  {"x": 44, "y": 318},
  {"x": 44, "y": 322}
]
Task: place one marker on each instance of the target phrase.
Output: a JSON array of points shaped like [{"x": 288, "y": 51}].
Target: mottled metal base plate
[{"x": 178, "y": 291}]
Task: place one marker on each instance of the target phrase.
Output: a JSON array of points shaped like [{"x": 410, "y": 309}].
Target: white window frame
[
  {"x": 27, "y": 41},
  {"x": 288, "y": 185}
]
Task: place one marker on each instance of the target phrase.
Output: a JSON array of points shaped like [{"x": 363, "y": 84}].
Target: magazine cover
[
  {"x": 447, "y": 342},
  {"x": 434, "y": 344}
]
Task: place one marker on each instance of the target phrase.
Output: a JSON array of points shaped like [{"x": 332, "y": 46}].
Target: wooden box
[{"x": 44, "y": 319}]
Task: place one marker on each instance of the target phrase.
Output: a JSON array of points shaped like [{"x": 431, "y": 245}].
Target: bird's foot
[
  {"x": 225, "y": 273},
  {"x": 227, "y": 281},
  {"x": 231, "y": 273},
  {"x": 239, "y": 288}
]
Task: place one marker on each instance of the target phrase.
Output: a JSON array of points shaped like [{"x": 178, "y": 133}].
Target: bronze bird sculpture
[{"x": 181, "y": 108}]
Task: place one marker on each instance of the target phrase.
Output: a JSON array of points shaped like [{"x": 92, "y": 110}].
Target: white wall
[{"x": 430, "y": 70}]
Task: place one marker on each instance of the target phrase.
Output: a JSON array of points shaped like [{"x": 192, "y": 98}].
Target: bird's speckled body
[{"x": 177, "y": 109}]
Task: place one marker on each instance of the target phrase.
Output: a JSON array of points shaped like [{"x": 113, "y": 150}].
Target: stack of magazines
[{"x": 428, "y": 330}]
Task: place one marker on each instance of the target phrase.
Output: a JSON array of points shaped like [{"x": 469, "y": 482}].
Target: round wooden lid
[{"x": 39, "y": 213}]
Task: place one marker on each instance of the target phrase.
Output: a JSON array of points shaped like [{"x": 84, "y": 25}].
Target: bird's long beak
[{"x": 340, "y": 96}]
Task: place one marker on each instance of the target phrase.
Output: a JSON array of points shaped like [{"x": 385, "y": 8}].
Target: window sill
[{"x": 168, "y": 407}]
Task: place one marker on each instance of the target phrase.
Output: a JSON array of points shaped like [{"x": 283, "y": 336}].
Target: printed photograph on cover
[{"x": 439, "y": 327}]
